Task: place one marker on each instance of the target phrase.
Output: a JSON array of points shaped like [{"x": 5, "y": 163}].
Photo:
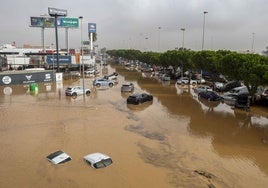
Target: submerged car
[
  {"x": 185, "y": 81},
  {"x": 210, "y": 95},
  {"x": 127, "y": 87},
  {"x": 76, "y": 90},
  {"x": 264, "y": 95},
  {"x": 111, "y": 76},
  {"x": 230, "y": 97},
  {"x": 202, "y": 88},
  {"x": 58, "y": 157},
  {"x": 103, "y": 82},
  {"x": 230, "y": 85},
  {"x": 138, "y": 98},
  {"x": 98, "y": 160}
]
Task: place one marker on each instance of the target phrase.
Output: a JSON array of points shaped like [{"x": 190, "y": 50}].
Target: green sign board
[{"x": 68, "y": 22}]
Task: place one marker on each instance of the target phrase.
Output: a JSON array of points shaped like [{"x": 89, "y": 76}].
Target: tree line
[{"x": 252, "y": 69}]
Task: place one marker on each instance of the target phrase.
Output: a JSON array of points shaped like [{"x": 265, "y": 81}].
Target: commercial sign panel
[
  {"x": 27, "y": 78},
  {"x": 92, "y": 27},
  {"x": 68, "y": 22},
  {"x": 49, "y": 22},
  {"x": 63, "y": 59},
  {"x": 42, "y": 22},
  {"x": 57, "y": 12}
]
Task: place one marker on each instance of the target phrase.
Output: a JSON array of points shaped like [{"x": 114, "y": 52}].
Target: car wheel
[
  {"x": 98, "y": 85},
  {"x": 194, "y": 84},
  {"x": 111, "y": 84},
  {"x": 88, "y": 93},
  {"x": 74, "y": 94}
]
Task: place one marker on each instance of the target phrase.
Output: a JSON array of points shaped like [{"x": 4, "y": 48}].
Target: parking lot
[{"x": 176, "y": 140}]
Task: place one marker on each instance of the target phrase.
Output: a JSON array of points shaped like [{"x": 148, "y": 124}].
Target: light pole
[
  {"x": 55, "y": 13},
  {"x": 203, "y": 38},
  {"x": 183, "y": 29},
  {"x": 252, "y": 45},
  {"x": 52, "y": 56},
  {"x": 159, "y": 28},
  {"x": 82, "y": 59}
]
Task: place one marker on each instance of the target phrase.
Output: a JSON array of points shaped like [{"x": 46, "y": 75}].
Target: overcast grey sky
[{"x": 229, "y": 24}]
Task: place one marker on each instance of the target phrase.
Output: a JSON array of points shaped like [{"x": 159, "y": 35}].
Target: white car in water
[
  {"x": 202, "y": 88},
  {"x": 98, "y": 160},
  {"x": 76, "y": 90},
  {"x": 185, "y": 81},
  {"x": 58, "y": 157}
]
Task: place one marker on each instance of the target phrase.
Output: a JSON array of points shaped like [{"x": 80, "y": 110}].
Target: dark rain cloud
[{"x": 230, "y": 24}]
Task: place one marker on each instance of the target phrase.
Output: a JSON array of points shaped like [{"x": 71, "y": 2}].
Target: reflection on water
[{"x": 178, "y": 140}]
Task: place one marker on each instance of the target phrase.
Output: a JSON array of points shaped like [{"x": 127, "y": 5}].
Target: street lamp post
[
  {"x": 159, "y": 28},
  {"x": 52, "y": 56},
  {"x": 203, "y": 38},
  {"x": 252, "y": 45},
  {"x": 82, "y": 59},
  {"x": 183, "y": 29},
  {"x": 55, "y": 13}
]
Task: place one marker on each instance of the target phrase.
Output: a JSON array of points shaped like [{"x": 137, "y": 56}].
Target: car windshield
[{"x": 103, "y": 163}]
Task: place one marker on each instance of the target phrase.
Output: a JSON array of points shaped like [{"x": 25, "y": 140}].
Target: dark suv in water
[
  {"x": 139, "y": 98},
  {"x": 230, "y": 85}
]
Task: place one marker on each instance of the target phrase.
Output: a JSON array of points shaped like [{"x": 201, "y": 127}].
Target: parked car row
[
  {"x": 238, "y": 97},
  {"x": 136, "y": 98},
  {"x": 185, "y": 81}
]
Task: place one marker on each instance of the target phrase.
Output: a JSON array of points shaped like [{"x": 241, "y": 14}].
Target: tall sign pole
[
  {"x": 92, "y": 28},
  {"x": 55, "y": 13}
]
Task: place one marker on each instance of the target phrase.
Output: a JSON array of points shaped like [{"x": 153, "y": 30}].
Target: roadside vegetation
[{"x": 252, "y": 69}]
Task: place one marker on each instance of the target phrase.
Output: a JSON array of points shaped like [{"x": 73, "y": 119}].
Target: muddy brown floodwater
[{"x": 177, "y": 140}]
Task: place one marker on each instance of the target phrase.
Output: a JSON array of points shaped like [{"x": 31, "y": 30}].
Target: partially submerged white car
[
  {"x": 59, "y": 157},
  {"x": 98, "y": 160}
]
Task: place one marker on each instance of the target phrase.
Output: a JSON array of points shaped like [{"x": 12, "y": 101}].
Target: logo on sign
[
  {"x": 28, "y": 77},
  {"x": 6, "y": 79},
  {"x": 48, "y": 76},
  {"x": 92, "y": 27}
]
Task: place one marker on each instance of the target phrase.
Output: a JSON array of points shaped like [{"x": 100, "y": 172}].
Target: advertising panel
[
  {"x": 57, "y": 12},
  {"x": 63, "y": 59},
  {"x": 48, "y": 22},
  {"x": 92, "y": 27},
  {"x": 27, "y": 78},
  {"x": 42, "y": 22}
]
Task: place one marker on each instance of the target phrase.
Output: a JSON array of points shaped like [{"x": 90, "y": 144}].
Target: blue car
[
  {"x": 209, "y": 95},
  {"x": 103, "y": 82}
]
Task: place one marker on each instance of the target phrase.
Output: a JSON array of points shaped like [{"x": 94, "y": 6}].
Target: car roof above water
[{"x": 96, "y": 157}]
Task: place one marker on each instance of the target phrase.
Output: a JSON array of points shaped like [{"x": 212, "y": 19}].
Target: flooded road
[{"x": 177, "y": 140}]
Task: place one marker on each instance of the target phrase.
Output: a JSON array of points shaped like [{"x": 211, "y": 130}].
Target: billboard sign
[
  {"x": 63, "y": 59},
  {"x": 68, "y": 22},
  {"x": 57, "y": 12},
  {"x": 49, "y": 22},
  {"x": 42, "y": 22},
  {"x": 92, "y": 27},
  {"x": 27, "y": 78}
]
